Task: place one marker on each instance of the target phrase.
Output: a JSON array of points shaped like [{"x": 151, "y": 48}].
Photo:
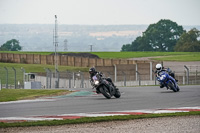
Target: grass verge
[
  {"x": 190, "y": 57},
  {"x": 173, "y": 56},
  {"x": 138, "y": 54},
  {"x": 95, "y": 119},
  {"x": 37, "y": 68},
  {"x": 21, "y": 94}
]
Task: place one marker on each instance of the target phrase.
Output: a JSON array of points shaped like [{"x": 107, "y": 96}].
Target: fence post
[
  {"x": 115, "y": 72},
  {"x": 138, "y": 77},
  {"x": 73, "y": 77},
  {"x": 151, "y": 68},
  {"x": 82, "y": 79},
  {"x": 124, "y": 78},
  {"x": 6, "y": 77},
  {"x": 23, "y": 70},
  {"x": 47, "y": 78},
  {"x": 15, "y": 75},
  {"x": 187, "y": 73},
  {"x": 50, "y": 74},
  {"x": 57, "y": 80},
  {"x": 136, "y": 69},
  {"x": 70, "y": 75}
]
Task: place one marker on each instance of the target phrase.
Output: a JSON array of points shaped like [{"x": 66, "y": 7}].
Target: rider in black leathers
[{"x": 93, "y": 72}]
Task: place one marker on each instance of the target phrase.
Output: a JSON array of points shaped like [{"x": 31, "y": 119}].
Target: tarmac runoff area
[{"x": 97, "y": 114}]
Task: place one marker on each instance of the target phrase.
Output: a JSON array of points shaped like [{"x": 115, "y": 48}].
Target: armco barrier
[{"x": 62, "y": 60}]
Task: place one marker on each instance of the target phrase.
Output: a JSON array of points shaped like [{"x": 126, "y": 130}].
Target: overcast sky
[{"x": 99, "y": 12}]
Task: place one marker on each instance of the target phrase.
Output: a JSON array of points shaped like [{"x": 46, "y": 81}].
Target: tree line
[{"x": 166, "y": 36}]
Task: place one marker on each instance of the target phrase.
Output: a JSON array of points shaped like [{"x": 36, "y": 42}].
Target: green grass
[
  {"x": 138, "y": 54},
  {"x": 95, "y": 119},
  {"x": 167, "y": 56},
  {"x": 41, "y": 68},
  {"x": 189, "y": 57},
  {"x": 173, "y": 56},
  {"x": 20, "y": 94}
]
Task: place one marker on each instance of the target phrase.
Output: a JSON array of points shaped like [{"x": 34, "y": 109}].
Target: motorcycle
[
  {"x": 105, "y": 87},
  {"x": 167, "y": 81}
]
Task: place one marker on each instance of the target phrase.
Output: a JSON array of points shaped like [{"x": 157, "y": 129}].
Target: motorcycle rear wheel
[{"x": 104, "y": 90}]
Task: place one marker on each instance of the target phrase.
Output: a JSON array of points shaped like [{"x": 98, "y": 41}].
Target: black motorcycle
[{"x": 105, "y": 87}]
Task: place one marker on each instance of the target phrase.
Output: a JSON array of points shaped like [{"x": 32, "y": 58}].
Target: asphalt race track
[{"x": 85, "y": 100}]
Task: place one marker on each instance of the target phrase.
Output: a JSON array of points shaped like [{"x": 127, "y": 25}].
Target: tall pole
[
  {"x": 90, "y": 48},
  {"x": 65, "y": 45},
  {"x": 56, "y": 43}
]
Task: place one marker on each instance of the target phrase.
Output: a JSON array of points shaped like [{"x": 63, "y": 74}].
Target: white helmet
[{"x": 158, "y": 66}]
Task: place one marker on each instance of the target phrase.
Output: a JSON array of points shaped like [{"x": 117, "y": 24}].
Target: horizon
[
  {"x": 97, "y": 24},
  {"x": 79, "y": 37}
]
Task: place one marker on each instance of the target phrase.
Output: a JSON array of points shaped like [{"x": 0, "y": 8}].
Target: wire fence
[{"x": 16, "y": 78}]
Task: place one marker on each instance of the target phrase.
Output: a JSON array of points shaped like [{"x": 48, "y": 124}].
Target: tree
[
  {"x": 161, "y": 36},
  {"x": 189, "y": 42},
  {"x": 11, "y": 45},
  {"x": 126, "y": 47}
]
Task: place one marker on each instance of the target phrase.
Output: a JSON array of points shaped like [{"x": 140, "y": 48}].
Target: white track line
[
  {"x": 98, "y": 114},
  {"x": 26, "y": 101},
  {"x": 29, "y": 118},
  {"x": 91, "y": 114},
  {"x": 197, "y": 107}
]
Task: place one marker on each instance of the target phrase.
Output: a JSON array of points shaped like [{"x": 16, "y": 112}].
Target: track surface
[{"x": 84, "y": 101}]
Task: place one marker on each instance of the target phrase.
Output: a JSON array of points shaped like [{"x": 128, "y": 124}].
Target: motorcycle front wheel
[
  {"x": 104, "y": 90},
  {"x": 178, "y": 89},
  {"x": 171, "y": 85},
  {"x": 117, "y": 94}
]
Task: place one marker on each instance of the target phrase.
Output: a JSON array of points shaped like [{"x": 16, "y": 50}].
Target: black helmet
[{"x": 92, "y": 70}]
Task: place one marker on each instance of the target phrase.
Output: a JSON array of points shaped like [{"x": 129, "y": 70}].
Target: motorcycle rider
[
  {"x": 160, "y": 68},
  {"x": 93, "y": 72}
]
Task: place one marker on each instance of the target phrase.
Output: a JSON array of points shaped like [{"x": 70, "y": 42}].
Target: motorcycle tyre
[
  {"x": 103, "y": 90},
  {"x": 178, "y": 89},
  {"x": 117, "y": 94},
  {"x": 171, "y": 85}
]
